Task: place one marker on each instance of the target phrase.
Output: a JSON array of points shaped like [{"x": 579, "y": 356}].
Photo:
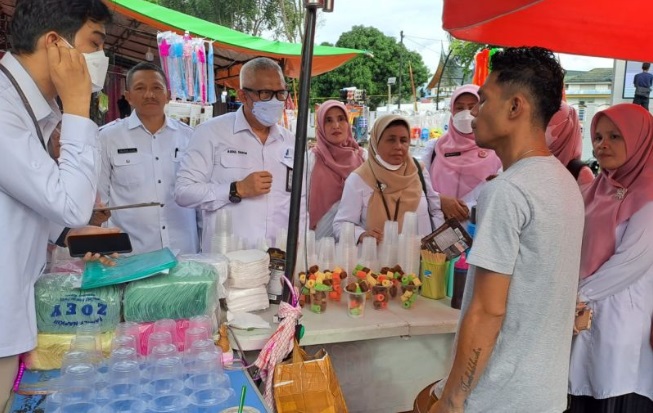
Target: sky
[{"x": 421, "y": 21}]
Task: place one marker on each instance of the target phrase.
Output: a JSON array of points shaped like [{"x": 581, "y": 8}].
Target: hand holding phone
[{"x": 103, "y": 244}]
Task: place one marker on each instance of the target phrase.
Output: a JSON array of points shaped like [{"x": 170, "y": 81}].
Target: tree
[
  {"x": 462, "y": 55},
  {"x": 283, "y": 19},
  {"x": 371, "y": 73}
]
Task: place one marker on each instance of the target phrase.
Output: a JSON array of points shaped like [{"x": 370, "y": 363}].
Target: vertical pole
[
  {"x": 389, "y": 96},
  {"x": 300, "y": 146},
  {"x": 401, "y": 67}
]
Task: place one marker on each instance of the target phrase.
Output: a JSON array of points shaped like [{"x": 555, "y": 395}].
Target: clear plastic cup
[
  {"x": 82, "y": 407},
  {"x": 223, "y": 225},
  {"x": 123, "y": 342},
  {"x": 72, "y": 394},
  {"x": 168, "y": 325},
  {"x": 213, "y": 380},
  {"x": 209, "y": 400},
  {"x": 115, "y": 391},
  {"x": 380, "y": 297},
  {"x": 123, "y": 354},
  {"x": 91, "y": 330},
  {"x": 368, "y": 256},
  {"x": 169, "y": 367},
  {"x": 326, "y": 256},
  {"x": 163, "y": 386},
  {"x": 356, "y": 304},
  {"x": 347, "y": 235},
  {"x": 87, "y": 344},
  {"x": 160, "y": 337},
  {"x": 75, "y": 357},
  {"x": 168, "y": 403},
  {"x": 201, "y": 321},
  {"x": 194, "y": 334},
  {"x": 162, "y": 351},
  {"x": 125, "y": 371},
  {"x": 207, "y": 362},
  {"x": 409, "y": 227},
  {"x": 80, "y": 374},
  {"x": 129, "y": 328},
  {"x": 131, "y": 405}
]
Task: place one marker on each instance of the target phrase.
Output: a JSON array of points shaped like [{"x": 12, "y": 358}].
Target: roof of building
[{"x": 598, "y": 75}]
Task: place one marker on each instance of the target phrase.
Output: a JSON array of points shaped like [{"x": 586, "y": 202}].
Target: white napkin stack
[{"x": 249, "y": 274}]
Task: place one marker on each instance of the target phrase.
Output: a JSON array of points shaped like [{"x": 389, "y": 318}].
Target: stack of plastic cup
[
  {"x": 159, "y": 337},
  {"x": 131, "y": 329},
  {"x": 346, "y": 251},
  {"x": 167, "y": 325},
  {"x": 388, "y": 248},
  {"x": 368, "y": 254},
  {"x": 409, "y": 245},
  {"x": 326, "y": 256},
  {"x": 195, "y": 334},
  {"x": 223, "y": 240}
]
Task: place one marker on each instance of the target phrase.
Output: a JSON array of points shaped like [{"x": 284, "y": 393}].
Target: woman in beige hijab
[{"x": 388, "y": 185}]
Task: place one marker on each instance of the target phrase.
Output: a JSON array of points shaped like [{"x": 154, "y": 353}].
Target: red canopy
[{"x": 605, "y": 28}]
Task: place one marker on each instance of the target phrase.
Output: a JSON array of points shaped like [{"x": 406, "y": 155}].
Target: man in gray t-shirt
[{"x": 514, "y": 338}]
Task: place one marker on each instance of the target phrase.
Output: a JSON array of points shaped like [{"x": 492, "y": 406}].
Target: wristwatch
[{"x": 233, "y": 194}]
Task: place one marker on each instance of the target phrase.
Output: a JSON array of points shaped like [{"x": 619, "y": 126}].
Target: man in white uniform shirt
[
  {"x": 243, "y": 161},
  {"x": 56, "y": 51},
  {"x": 140, "y": 159}
]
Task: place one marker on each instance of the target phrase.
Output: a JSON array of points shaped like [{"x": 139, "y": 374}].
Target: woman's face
[
  {"x": 466, "y": 101},
  {"x": 394, "y": 144},
  {"x": 335, "y": 126},
  {"x": 609, "y": 145}
]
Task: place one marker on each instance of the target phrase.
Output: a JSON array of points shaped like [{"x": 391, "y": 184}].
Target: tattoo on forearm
[{"x": 470, "y": 371}]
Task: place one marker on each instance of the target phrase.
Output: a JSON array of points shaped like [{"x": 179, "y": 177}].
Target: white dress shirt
[
  {"x": 138, "y": 166},
  {"x": 356, "y": 198},
  {"x": 224, "y": 150},
  {"x": 37, "y": 197},
  {"x": 614, "y": 357}
]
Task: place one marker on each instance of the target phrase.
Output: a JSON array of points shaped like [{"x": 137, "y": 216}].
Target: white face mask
[
  {"x": 268, "y": 113},
  {"x": 462, "y": 121},
  {"x": 387, "y": 165},
  {"x": 97, "y": 64}
]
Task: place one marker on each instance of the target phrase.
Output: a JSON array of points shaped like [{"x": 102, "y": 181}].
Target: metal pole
[
  {"x": 389, "y": 96},
  {"x": 401, "y": 68},
  {"x": 300, "y": 144}
]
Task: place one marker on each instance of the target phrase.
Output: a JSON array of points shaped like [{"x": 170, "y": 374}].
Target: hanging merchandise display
[{"x": 188, "y": 64}]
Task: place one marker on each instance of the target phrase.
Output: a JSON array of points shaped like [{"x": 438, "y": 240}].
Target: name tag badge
[
  {"x": 288, "y": 179},
  {"x": 128, "y": 150}
]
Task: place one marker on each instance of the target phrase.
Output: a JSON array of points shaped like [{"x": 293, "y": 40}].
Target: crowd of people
[{"x": 553, "y": 243}]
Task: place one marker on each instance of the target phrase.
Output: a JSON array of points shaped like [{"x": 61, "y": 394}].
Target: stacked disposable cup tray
[
  {"x": 249, "y": 274},
  {"x": 165, "y": 380},
  {"x": 409, "y": 245},
  {"x": 224, "y": 240}
]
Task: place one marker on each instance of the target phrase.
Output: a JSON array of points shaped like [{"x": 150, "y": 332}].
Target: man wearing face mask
[
  {"x": 39, "y": 197},
  {"x": 243, "y": 161},
  {"x": 458, "y": 167}
]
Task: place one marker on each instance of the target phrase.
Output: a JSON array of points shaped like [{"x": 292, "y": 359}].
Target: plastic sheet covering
[
  {"x": 188, "y": 290},
  {"x": 50, "y": 349},
  {"x": 218, "y": 261},
  {"x": 61, "y": 306}
]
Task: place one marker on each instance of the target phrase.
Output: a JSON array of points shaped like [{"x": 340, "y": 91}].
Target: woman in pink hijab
[
  {"x": 564, "y": 140},
  {"x": 335, "y": 156},
  {"x": 456, "y": 164},
  {"x": 611, "y": 369}
]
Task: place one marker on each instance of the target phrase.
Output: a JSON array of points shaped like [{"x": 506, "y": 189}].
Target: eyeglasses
[{"x": 266, "y": 95}]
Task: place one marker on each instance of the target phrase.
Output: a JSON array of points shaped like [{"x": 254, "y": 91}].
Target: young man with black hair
[
  {"x": 57, "y": 51},
  {"x": 514, "y": 337},
  {"x": 140, "y": 159}
]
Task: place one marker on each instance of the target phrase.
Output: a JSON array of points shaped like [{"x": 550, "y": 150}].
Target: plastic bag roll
[
  {"x": 61, "y": 306},
  {"x": 188, "y": 290}
]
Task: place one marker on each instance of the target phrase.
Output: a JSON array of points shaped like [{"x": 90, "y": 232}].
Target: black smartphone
[{"x": 79, "y": 245}]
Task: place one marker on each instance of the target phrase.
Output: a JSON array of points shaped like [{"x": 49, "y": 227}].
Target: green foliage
[
  {"x": 371, "y": 73},
  {"x": 282, "y": 18},
  {"x": 463, "y": 53}
]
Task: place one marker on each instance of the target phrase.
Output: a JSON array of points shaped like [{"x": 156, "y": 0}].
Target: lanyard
[
  {"x": 385, "y": 203},
  {"x": 13, "y": 81}
]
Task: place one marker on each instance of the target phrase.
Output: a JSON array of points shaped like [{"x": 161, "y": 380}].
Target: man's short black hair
[
  {"x": 33, "y": 18},
  {"x": 144, "y": 66},
  {"x": 646, "y": 66},
  {"x": 538, "y": 72}
]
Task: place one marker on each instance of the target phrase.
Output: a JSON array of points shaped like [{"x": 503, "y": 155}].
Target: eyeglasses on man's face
[{"x": 266, "y": 95}]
